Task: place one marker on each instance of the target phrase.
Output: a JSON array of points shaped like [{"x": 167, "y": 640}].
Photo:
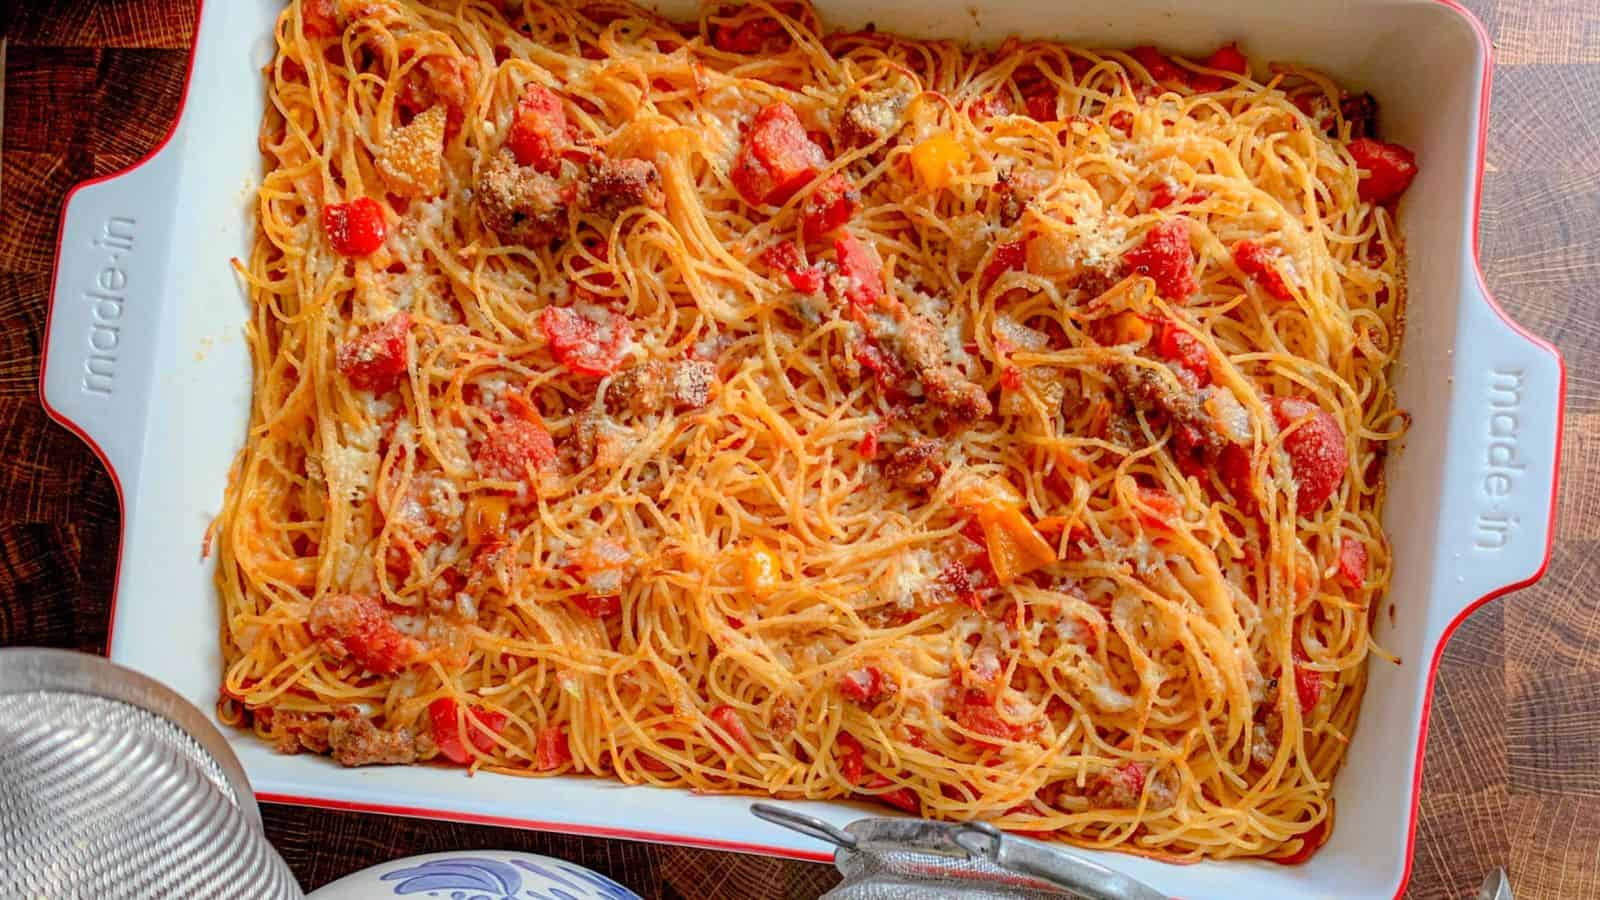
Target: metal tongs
[{"x": 978, "y": 854}]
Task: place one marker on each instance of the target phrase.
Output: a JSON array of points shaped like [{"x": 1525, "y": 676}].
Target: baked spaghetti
[{"x": 733, "y": 405}]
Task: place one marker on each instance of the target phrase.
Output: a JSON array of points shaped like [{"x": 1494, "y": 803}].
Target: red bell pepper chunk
[
  {"x": 539, "y": 132},
  {"x": 1316, "y": 450},
  {"x": 376, "y": 360},
  {"x": 1352, "y": 562},
  {"x": 828, "y": 207},
  {"x": 777, "y": 157},
  {"x": 1389, "y": 169},
  {"x": 1256, "y": 261},
  {"x": 727, "y": 718},
  {"x": 1166, "y": 257},
  {"x": 356, "y": 228},
  {"x": 550, "y": 748},
  {"x": 860, "y": 271},
  {"x": 587, "y": 343},
  {"x": 480, "y": 724}
]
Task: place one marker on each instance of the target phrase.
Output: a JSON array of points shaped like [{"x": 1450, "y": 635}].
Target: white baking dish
[{"x": 145, "y": 360}]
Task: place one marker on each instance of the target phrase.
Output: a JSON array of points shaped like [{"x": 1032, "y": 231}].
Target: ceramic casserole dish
[{"x": 146, "y": 361}]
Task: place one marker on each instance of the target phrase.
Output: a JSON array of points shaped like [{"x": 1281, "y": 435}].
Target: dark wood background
[{"x": 1513, "y": 758}]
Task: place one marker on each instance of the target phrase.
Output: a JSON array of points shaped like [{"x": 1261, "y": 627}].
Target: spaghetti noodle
[{"x": 993, "y": 433}]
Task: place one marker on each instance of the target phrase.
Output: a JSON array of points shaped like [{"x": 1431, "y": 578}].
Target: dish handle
[
  {"x": 105, "y": 309},
  {"x": 1503, "y": 455}
]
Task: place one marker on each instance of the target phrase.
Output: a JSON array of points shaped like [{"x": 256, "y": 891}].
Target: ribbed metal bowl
[{"x": 111, "y": 785}]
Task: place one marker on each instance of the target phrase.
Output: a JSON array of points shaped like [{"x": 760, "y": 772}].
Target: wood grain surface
[{"x": 1512, "y": 775}]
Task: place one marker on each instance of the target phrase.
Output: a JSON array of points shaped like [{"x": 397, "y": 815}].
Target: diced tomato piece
[
  {"x": 1132, "y": 775},
  {"x": 1316, "y": 450},
  {"x": 972, "y": 584},
  {"x": 985, "y": 720},
  {"x": 539, "y": 132},
  {"x": 550, "y": 749},
  {"x": 1159, "y": 67},
  {"x": 868, "y": 448},
  {"x": 785, "y": 259},
  {"x": 321, "y": 18},
  {"x": 1008, "y": 257},
  {"x": 777, "y": 157},
  {"x": 1041, "y": 106},
  {"x": 1310, "y": 843},
  {"x": 598, "y": 607},
  {"x": 356, "y": 228},
  {"x": 860, "y": 270},
  {"x": 1257, "y": 262},
  {"x": 1162, "y": 195},
  {"x": 1389, "y": 169},
  {"x": 1122, "y": 121},
  {"x": 747, "y": 37},
  {"x": 885, "y": 367},
  {"x": 1163, "y": 506},
  {"x": 587, "y": 343},
  {"x": 1166, "y": 257},
  {"x": 866, "y": 686},
  {"x": 1352, "y": 562},
  {"x": 902, "y": 798},
  {"x": 1011, "y": 378},
  {"x": 480, "y": 725},
  {"x": 1228, "y": 58},
  {"x": 438, "y": 79},
  {"x": 829, "y": 206},
  {"x": 512, "y": 447},
  {"x": 762, "y": 35},
  {"x": 727, "y": 718},
  {"x": 1234, "y": 471},
  {"x": 989, "y": 106},
  {"x": 1307, "y": 683},
  {"x": 852, "y": 758},
  {"x": 1181, "y": 347},
  {"x": 358, "y": 626},
  {"x": 376, "y": 359}
]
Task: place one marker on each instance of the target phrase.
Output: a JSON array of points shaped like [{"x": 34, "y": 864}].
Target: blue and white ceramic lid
[{"x": 476, "y": 875}]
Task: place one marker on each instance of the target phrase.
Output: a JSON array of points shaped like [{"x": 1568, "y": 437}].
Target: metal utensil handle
[
  {"x": 1020, "y": 856},
  {"x": 1051, "y": 864}
]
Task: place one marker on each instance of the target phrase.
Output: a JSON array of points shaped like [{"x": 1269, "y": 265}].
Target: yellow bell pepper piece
[
  {"x": 760, "y": 568},
  {"x": 1015, "y": 546},
  {"x": 937, "y": 160},
  {"x": 486, "y": 518}
]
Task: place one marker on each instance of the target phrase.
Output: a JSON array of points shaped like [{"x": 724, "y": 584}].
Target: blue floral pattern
[{"x": 480, "y": 878}]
